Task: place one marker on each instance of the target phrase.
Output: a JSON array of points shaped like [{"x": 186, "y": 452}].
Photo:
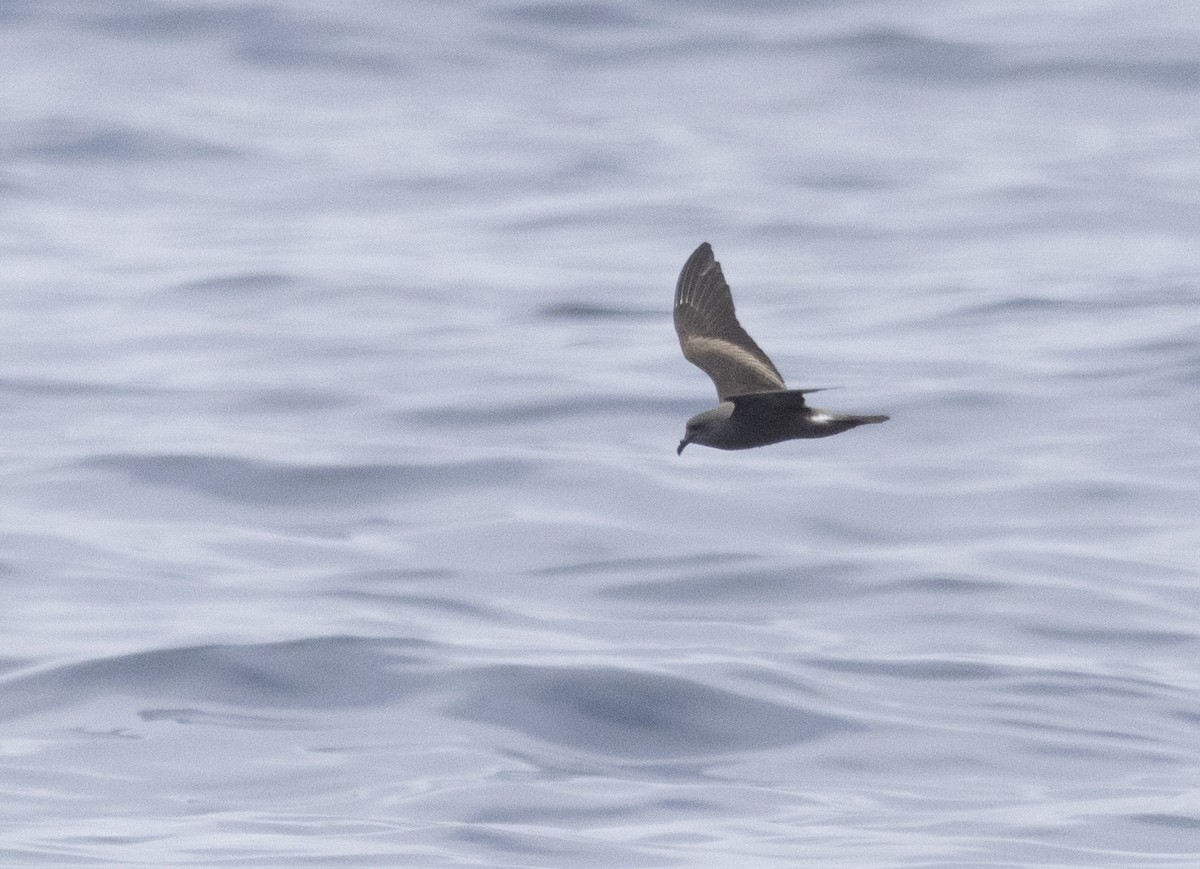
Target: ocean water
[{"x": 342, "y": 521}]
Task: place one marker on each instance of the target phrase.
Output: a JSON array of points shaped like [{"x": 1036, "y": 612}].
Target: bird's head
[{"x": 706, "y": 428}]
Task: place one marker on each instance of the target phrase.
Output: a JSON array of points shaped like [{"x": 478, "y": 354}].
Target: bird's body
[{"x": 756, "y": 407}]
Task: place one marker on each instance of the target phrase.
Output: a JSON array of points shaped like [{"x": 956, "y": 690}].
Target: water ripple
[
  {"x": 311, "y": 673},
  {"x": 277, "y": 483},
  {"x": 636, "y": 715}
]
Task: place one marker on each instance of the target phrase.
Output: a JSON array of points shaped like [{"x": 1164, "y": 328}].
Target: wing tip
[
  {"x": 702, "y": 254},
  {"x": 697, "y": 265}
]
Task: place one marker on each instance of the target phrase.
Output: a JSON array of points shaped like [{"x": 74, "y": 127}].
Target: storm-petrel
[{"x": 756, "y": 406}]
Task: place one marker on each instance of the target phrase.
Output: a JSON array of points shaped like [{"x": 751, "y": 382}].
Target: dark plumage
[{"x": 756, "y": 406}]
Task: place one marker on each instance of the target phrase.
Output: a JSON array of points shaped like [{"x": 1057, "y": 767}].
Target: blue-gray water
[{"x": 342, "y": 523}]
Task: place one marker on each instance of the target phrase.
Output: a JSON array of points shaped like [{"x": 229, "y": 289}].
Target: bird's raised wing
[{"x": 710, "y": 334}]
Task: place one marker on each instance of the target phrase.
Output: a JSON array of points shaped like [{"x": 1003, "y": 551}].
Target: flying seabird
[{"x": 756, "y": 407}]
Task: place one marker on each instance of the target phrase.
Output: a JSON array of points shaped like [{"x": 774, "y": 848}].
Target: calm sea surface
[{"x": 341, "y": 522}]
